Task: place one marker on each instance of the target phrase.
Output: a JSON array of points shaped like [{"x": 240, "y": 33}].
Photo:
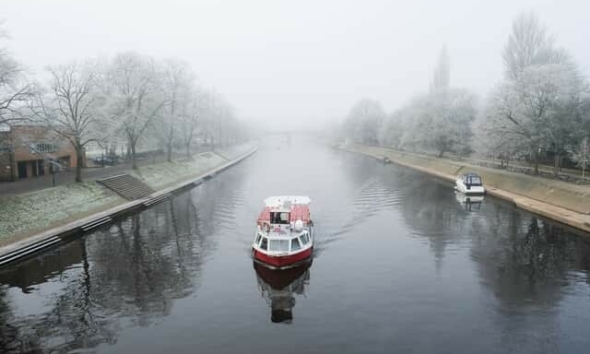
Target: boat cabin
[
  {"x": 283, "y": 226},
  {"x": 471, "y": 179},
  {"x": 284, "y": 236}
]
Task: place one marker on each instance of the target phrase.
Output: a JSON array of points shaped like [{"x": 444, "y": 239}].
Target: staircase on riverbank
[{"x": 126, "y": 186}]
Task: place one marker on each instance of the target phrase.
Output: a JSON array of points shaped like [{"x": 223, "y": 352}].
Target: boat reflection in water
[
  {"x": 469, "y": 202},
  {"x": 279, "y": 287}
]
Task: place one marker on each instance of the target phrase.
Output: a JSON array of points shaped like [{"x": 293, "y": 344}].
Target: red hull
[
  {"x": 283, "y": 261},
  {"x": 279, "y": 279}
]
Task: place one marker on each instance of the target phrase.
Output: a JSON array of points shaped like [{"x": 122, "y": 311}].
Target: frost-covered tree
[
  {"x": 190, "y": 113},
  {"x": 219, "y": 124},
  {"x": 392, "y": 129},
  {"x": 439, "y": 121},
  {"x": 452, "y": 111},
  {"x": 364, "y": 121},
  {"x": 71, "y": 107},
  {"x": 560, "y": 87},
  {"x": 227, "y": 124},
  {"x": 496, "y": 134},
  {"x": 528, "y": 44},
  {"x": 543, "y": 108},
  {"x": 538, "y": 106},
  {"x": 581, "y": 154},
  {"x": 136, "y": 95},
  {"x": 15, "y": 90},
  {"x": 178, "y": 81}
]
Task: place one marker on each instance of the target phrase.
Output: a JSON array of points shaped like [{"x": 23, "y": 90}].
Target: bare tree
[
  {"x": 215, "y": 123},
  {"x": 136, "y": 97},
  {"x": 178, "y": 81},
  {"x": 392, "y": 130},
  {"x": 364, "y": 121},
  {"x": 69, "y": 107},
  {"x": 539, "y": 105},
  {"x": 528, "y": 44},
  {"x": 581, "y": 154},
  {"x": 440, "y": 121},
  {"x": 543, "y": 107},
  {"x": 15, "y": 90},
  {"x": 191, "y": 111},
  {"x": 497, "y": 132}
]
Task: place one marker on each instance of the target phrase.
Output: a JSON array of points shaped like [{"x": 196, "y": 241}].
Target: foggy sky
[{"x": 295, "y": 63}]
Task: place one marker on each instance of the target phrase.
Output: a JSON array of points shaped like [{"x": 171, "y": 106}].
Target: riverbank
[
  {"x": 32, "y": 217},
  {"x": 564, "y": 202}
]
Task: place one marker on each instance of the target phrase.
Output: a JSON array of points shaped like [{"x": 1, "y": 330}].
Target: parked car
[{"x": 106, "y": 160}]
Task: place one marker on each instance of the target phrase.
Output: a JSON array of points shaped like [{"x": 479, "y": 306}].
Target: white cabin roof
[{"x": 279, "y": 201}]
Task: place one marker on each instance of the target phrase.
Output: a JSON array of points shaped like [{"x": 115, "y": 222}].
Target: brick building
[{"x": 28, "y": 151}]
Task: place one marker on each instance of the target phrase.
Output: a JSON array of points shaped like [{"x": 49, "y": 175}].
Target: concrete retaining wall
[{"x": 561, "y": 201}]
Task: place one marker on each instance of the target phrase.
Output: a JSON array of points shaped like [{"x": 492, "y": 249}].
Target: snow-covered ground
[
  {"x": 41, "y": 209},
  {"x": 166, "y": 174},
  {"x": 24, "y": 214}
]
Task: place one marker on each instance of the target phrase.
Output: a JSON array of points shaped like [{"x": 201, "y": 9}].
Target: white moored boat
[
  {"x": 284, "y": 237},
  {"x": 469, "y": 183}
]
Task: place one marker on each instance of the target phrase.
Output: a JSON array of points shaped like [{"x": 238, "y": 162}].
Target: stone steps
[{"x": 127, "y": 186}]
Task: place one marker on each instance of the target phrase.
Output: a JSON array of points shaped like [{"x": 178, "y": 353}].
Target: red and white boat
[{"x": 285, "y": 232}]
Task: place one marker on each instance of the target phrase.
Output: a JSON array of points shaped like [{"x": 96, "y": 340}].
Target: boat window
[
  {"x": 279, "y": 218},
  {"x": 301, "y": 240},
  {"x": 295, "y": 244},
  {"x": 285, "y": 218},
  {"x": 304, "y": 239},
  {"x": 279, "y": 245},
  {"x": 258, "y": 237},
  {"x": 264, "y": 243}
]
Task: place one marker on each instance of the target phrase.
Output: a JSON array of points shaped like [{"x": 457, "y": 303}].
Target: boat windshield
[
  {"x": 279, "y": 245},
  {"x": 474, "y": 180}
]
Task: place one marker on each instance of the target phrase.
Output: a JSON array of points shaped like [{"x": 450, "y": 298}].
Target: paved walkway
[{"x": 61, "y": 178}]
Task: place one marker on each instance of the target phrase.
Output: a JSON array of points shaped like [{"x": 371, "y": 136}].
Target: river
[{"x": 401, "y": 265}]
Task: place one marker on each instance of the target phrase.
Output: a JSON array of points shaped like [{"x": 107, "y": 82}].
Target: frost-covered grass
[
  {"x": 165, "y": 174},
  {"x": 29, "y": 213},
  {"x": 38, "y": 210}
]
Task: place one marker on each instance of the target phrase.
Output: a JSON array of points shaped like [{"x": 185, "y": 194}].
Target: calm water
[{"x": 401, "y": 266}]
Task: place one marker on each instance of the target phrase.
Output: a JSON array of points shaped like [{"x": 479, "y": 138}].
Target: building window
[{"x": 46, "y": 147}]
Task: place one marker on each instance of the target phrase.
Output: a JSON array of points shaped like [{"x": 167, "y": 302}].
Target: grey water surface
[{"x": 401, "y": 265}]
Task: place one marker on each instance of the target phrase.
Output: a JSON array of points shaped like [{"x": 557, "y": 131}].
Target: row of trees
[
  {"x": 130, "y": 99},
  {"x": 540, "y": 108}
]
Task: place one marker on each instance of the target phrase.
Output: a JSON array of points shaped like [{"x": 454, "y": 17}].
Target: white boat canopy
[{"x": 279, "y": 201}]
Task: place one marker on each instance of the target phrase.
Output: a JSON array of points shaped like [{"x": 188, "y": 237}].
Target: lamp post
[
  {"x": 50, "y": 161},
  {"x": 54, "y": 165}
]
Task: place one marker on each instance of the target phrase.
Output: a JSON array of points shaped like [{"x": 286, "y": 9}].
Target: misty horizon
[{"x": 293, "y": 65}]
